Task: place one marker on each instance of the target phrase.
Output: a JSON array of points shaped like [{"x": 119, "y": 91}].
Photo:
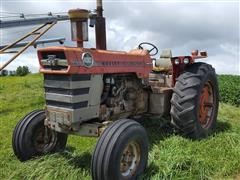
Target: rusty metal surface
[
  {"x": 79, "y": 34},
  {"x": 99, "y": 8},
  {"x": 126, "y": 97},
  {"x": 159, "y": 103},
  {"x": 100, "y": 27},
  {"x": 159, "y": 98},
  {"x": 100, "y": 32},
  {"x": 160, "y": 82}
]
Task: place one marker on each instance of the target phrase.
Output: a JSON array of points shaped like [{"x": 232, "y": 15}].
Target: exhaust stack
[{"x": 100, "y": 26}]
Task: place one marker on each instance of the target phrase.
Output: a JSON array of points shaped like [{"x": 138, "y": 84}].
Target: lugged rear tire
[
  {"x": 121, "y": 141},
  {"x": 28, "y": 137},
  {"x": 194, "y": 103}
]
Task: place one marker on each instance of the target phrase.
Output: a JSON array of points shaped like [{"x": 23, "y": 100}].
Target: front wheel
[
  {"x": 121, "y": 152},
  {"x": 195, "y": 101},
  {"x": 31, "y": 138}
]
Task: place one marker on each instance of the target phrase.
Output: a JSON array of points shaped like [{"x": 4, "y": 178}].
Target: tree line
[{"x": 20, "y": 71}]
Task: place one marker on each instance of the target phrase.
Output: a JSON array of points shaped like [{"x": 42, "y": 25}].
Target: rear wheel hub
[{"x": 206, "y": 105}]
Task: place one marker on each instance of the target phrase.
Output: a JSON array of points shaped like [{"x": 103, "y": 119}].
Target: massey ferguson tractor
[{"x": 99, "y": 93}]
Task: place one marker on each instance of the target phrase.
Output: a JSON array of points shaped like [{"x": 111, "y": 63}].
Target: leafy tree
[
  {"x": 4, "y": 72},
  {"x": 22, "y": 71},
  {"x": 26, "y": 70},
  {"x": 12, "y": 73},
  {"x": 19, "y": 71}
]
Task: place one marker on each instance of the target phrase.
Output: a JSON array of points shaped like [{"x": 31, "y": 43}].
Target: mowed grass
[{"x": 171, "y": 156}]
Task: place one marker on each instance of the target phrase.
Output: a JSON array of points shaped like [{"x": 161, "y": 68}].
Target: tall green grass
[{"x": 170, "y": 157}]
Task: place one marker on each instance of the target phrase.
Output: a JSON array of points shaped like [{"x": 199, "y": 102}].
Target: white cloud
[
  {"x": 211, "y": 26},
  {"x": 224, "y": 64},
  {"x": 229, "y": 48}
]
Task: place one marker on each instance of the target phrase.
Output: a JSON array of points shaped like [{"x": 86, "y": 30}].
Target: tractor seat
[
  {"x": 164, "y": 62},
  {"x": 140, "y": 52}
]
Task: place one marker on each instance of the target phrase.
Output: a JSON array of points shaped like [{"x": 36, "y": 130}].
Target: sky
[{"x": 180, "y": 25}]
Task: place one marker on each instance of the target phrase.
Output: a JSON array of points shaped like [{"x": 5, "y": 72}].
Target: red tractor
[{"x": 98, "y": 92}]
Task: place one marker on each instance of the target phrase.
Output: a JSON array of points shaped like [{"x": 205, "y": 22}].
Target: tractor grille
[
  {"x": 71, "y": 99},
  {"x": 67, "y": 105},
  {"x": 67, "y": 91},
  {"x": 80, "y": 91}
]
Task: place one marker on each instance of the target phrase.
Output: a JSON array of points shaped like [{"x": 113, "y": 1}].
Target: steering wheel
[{"x": 153, "y": 47}]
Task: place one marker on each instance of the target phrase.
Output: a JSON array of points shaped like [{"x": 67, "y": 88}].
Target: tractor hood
[{"x": 71, "y": 60}]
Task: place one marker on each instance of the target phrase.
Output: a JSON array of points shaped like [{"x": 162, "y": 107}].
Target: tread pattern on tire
[
  {"x": 19, "y": 133},
  {"x": 104, "y": 147},
  {"x": 185, "y": 98}
]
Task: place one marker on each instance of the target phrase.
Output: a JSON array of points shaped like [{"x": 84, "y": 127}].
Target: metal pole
[
  {"x": 22, "y": 38},
  {"x": 44, "y": 41},
  {"x": 32, "y": 21},
  {"x": 79, "y": 34},
  {"x": 29, "y": 44},
  {"x": 99, "y": 8}
]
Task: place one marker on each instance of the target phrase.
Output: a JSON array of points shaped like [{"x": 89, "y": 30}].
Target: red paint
[
  {"x": 105, "y": 61},
  {"x": 138, "y": 62},
  {"x": 178, "y": 69}
]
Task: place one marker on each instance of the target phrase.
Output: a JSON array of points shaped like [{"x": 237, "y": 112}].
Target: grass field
[{"x": 171, "y": 156}]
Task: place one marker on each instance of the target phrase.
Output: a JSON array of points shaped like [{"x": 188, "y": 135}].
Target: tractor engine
[{"x": 123, "y": 96}]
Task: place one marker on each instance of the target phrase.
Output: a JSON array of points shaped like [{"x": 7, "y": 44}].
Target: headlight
[
  {"x": 186, "y": 60},
  {"x": 87, "y": 60},
  {"x": 176, "y": 61}
]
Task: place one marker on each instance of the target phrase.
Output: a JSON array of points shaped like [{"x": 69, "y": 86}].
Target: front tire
[
  {"x": 194, "y": 103},
  {"x": 121, "y": 152},
  {"x": 31, "y": 138}
]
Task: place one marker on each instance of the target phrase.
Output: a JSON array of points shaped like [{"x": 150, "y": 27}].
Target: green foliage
[
  {"x": 4, "y": 72},
  {"x": 22, "y": 71},
  {"x": 170, "y": 157},
  {"x": 229, "y": 89}
]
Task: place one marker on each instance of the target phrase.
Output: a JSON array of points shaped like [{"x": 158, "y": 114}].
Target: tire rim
[
  {"x": 206, "y": 105},
  {"x": 130, "y": 159},
  {"x": 44, "y": 139}
]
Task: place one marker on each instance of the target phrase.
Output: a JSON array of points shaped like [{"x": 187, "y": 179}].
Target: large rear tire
[
  {"x": 121, "y": 152},
  {"x": 31, "y": 138},
  {"x": 194, "y": 103}
]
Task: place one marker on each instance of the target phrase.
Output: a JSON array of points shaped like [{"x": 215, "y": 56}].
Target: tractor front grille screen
[{"x": 67, "y": 91}]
